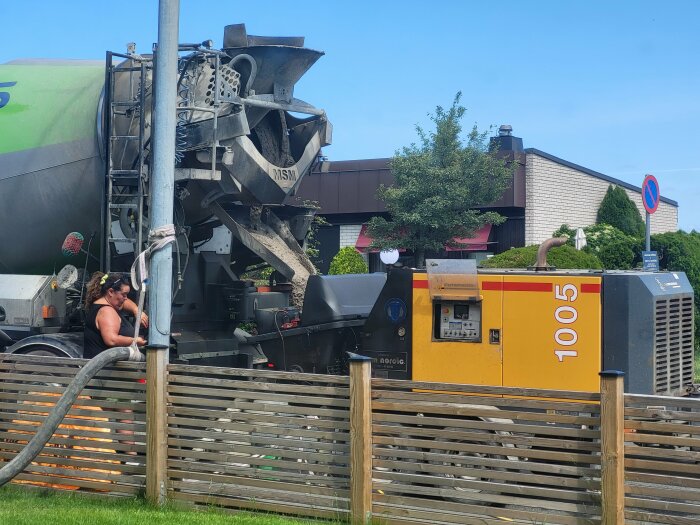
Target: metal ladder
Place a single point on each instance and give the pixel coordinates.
(125, 189)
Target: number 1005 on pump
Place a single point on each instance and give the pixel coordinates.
(565, 315)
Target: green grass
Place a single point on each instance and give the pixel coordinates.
(697, 366)
(21, 506)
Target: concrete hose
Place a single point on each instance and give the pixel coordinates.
(59, 411)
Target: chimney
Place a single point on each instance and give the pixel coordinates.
(505, 141)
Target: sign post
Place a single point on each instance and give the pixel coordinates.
(651, 195)
(650, 199)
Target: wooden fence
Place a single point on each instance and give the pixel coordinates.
(360, 449)
(100, 446)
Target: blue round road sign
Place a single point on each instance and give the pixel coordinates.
(650, 193)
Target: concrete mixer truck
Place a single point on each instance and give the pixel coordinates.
(75, 160)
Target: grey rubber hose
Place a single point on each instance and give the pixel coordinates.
(59, 411)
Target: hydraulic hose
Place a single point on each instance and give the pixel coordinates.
(59, 411)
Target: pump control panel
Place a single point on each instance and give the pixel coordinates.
(458, 321)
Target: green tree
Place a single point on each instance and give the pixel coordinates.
(347, 260)
(616, 209)
(437, 186)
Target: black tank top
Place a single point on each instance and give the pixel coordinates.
(92, 339)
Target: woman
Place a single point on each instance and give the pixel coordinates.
(105, 324)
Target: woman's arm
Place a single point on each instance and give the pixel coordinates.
(131, 307)
(108, 323)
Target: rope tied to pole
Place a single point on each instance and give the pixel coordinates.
(158, 238)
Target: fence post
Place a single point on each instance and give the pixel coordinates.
(156, 423)
(360, 439)
(612, 426)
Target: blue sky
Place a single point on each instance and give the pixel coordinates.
(613, 86)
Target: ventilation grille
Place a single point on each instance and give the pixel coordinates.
(673, 344)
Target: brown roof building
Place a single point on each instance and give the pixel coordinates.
(546, 192)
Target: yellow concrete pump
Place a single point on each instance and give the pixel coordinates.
(549, 329)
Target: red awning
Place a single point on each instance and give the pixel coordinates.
(477, 243)
(363, 240)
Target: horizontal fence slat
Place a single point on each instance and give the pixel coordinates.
(111, 443)
(510, 427)
(30, 422)
(256, 415)
(182, 392)
(260, 460)
(276, 375)
(98, 486)
(291, 451)
(63, 381)
(70, 371)
(131, 465)
(662, 452)
(383, 470)
(90, 392)
(494, 449)
(656, 439)
(421, 456)
(259, 406)
(461, 434)
(262, 495)
(466, 410)
(686, 493)
(218, 383)
(679, 402)
(661, 466)
(25, 432)
(662, 414)
(406, 506)
(256, 506)
(258, 439)
(647, 518)
(63, 361)
(667, 506)
(58, 454)
(426, 517)
(332, 480)
(495, 402)
(477, 481)
(490, 498)
(253, 483)
(401, 384)
(13, 411)
(660, 479)
(182, 426)
(662, 427)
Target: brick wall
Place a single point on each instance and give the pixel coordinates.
(348, 237)
(349, 234)
(557, 194)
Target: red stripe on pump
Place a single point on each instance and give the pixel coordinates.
(590, 288)
(516, 286)
(420, 284)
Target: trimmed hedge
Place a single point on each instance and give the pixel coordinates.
(565, 257)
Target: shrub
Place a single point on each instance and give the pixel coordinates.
(681, 251)
(619, 211)
(615, 249)
(565, 257)
(347, 260)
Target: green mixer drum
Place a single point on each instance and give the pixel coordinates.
(51, 172)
